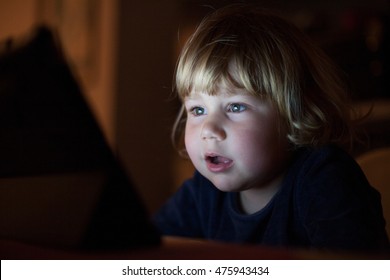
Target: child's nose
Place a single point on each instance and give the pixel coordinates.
(213, 129)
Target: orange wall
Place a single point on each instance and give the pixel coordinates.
(19, 17)
(16, 17)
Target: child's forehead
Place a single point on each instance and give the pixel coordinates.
(221, 90)
(213, 82)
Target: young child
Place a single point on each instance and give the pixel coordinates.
(264, 113)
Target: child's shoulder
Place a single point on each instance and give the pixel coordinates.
(199, 187)
(329, 156)
(328, 169)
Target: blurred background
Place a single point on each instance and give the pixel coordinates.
(123, 53)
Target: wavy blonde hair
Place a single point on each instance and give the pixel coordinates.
(274, 59)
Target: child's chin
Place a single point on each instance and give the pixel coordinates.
(225, 187)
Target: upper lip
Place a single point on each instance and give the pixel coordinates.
(210, 156)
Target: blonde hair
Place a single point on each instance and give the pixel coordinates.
(274, 59)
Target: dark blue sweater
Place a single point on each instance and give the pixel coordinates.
(325, 201)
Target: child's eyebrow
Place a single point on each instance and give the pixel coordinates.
(190, 98)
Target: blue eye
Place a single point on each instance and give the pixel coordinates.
(197, 111)
(236, 108)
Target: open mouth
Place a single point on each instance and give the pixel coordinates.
(217, 160)
(216, 163)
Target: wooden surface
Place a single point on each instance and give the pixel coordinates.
(173, 248)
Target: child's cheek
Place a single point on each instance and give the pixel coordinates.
(192, 142)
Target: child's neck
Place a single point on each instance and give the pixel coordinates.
(255, 199)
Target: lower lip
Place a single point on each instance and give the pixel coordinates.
(221, 167)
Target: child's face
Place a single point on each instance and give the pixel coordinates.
(235, 139)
